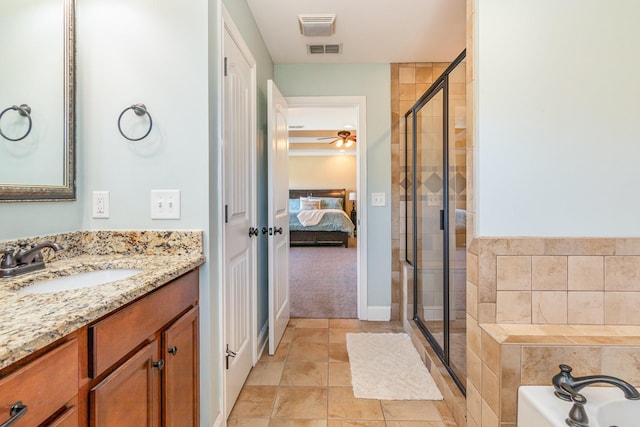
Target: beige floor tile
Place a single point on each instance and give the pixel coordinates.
(305, 374)
(339, 374)
(381, 327)
(297, 423)
(343, 405)
(415, 424)
(312, 323)
(338, 352)
(254, 402)
(265, 373)
(248, 422)
(307, 351)
(445, 414)
(301, 403)
(279, 356)
(319, 335)
(355, 423)
(288, 334)
(340, 335)
(344, 323)
(410, 410)
(314, 388)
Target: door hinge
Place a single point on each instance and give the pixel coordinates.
(226, 214)
(228, 353)
(225, 66)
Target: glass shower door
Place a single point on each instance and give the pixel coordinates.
(457, 235)
(430, 207)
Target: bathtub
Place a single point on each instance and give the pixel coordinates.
(606, 407)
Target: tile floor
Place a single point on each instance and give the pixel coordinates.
(307, 383)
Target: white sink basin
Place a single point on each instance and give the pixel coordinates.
(80, 280)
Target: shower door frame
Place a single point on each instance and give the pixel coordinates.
(441, 83)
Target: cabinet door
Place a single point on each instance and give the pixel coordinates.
(180, 380)
(69, 418)
(130, 395)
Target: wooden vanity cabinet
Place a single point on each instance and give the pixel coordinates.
(180, 376)
(46, 386)
(129, 396)
(144, 360)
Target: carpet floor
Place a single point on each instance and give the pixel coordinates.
(323, 282)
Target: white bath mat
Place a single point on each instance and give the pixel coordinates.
(388, 367)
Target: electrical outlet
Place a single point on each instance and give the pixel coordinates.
(100, 204)
(165, 204)
(378, 199)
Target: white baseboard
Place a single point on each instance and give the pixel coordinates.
(379, 313)
(263, 340)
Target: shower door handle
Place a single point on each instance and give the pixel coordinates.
(441, 219)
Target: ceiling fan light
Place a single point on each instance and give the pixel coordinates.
(349, 143)
(339, 143)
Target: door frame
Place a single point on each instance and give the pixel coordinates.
(227, 22)
(360, 103)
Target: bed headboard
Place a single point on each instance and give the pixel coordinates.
(338, 193)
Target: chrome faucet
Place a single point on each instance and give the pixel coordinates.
(24, 260)
(564, 381)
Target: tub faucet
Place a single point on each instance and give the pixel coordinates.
(577, 415)
(564, 380)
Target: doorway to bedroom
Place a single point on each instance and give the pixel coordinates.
(326, 222)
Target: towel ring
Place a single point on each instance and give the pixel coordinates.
(140, 110)
(25, 111)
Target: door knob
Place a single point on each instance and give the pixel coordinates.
(277, 230)
(253, 231)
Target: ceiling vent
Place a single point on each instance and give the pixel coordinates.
(317, 25)
(313, 49)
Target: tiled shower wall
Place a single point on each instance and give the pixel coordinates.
(408, 82)
(551, 300)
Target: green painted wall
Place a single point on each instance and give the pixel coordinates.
(374, 82)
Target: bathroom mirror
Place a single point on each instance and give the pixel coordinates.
(37, 111)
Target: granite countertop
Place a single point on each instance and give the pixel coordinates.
(29, 322)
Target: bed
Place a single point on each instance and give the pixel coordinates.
(334, 227)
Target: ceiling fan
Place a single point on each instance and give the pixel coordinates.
(344, 138)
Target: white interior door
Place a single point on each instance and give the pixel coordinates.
(240, 213)
(278, 230)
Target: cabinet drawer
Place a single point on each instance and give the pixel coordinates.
(43, 386)
(115, 336)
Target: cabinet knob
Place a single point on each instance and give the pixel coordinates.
(159, 364)
(173, 350)
(17, 410)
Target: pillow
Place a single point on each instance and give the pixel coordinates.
(309, 205)
(330, 203)
(294, 205)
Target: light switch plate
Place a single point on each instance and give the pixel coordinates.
(378, 199)
(165, 204)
